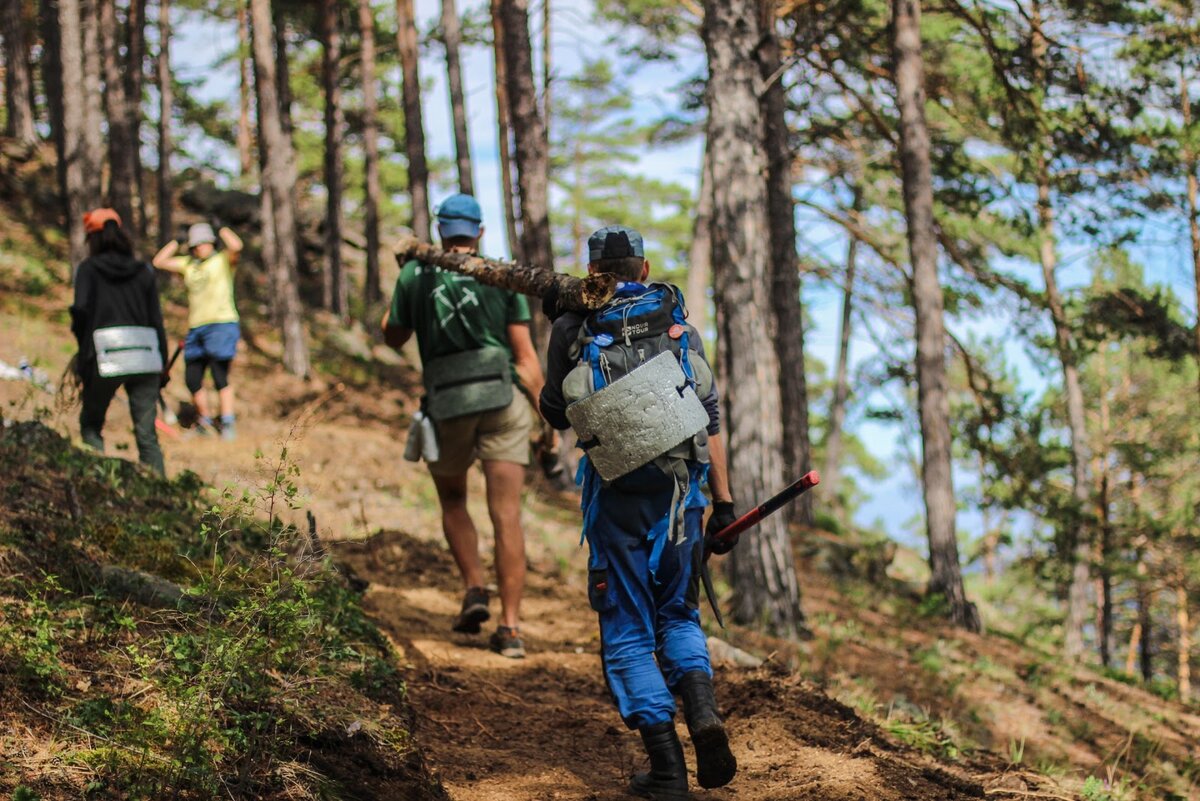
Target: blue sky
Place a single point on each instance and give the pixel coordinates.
(894, 502)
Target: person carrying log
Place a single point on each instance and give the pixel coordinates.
(478, 367)
(118, 324)
(214, 327)
(631, 378)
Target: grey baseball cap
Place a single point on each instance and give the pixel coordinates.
(201, 234)
(615, 242)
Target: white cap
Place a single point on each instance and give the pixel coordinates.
(201, 234)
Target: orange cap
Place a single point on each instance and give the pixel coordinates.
(94, 220)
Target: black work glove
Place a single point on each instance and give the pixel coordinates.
(722, 516)
(550, 306)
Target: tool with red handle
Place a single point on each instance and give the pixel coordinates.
(751, 519)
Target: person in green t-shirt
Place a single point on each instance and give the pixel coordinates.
(456, 318)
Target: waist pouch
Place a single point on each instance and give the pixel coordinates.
(127, 350)
(470, 382)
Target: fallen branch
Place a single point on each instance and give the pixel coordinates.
(579, 294)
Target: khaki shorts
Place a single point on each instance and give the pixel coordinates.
(501, 435)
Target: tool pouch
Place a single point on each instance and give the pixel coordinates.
(470, 382)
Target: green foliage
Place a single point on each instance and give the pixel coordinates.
(30, 632)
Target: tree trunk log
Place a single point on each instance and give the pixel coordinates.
(452, 38)
(784, 267)
(74, 150)
(933, 400)
(166, 97)
(762, 569)
(334, 280)
(278, 179)
(366, 24)
(504, 133)
(579, 294)
(17, 74)
(414, 131)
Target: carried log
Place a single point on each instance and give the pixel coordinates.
(578, 294)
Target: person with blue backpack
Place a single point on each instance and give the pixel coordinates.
(632, 379)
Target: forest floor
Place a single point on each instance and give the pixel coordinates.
(884, 703)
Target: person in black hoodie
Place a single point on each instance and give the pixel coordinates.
(118, 323)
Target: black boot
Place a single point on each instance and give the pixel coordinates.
(715, 763)
(667, 779)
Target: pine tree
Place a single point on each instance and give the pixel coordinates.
(452, 39)
(334, 283)
(366, 26)
(414, 131)
(73, 150)
(166, 97)
(18, 80)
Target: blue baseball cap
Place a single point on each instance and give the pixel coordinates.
(459, 215)
(615, 242)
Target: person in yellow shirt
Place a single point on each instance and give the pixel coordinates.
(213, 322)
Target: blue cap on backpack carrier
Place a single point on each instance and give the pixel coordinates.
(459, 215)
(615, 242)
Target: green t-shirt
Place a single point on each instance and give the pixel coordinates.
(451, 313)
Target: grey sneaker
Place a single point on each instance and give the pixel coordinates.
(506, 641)
(228, 428)
(474, 611)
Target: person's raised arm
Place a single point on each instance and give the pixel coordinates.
(165, 258)
(393, 335)
(233, 244)
(525, 360)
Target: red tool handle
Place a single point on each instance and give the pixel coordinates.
(770, 506)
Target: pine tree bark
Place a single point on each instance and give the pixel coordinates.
(700, 252)
(1193, 204)
(366, 25)
(135, 66)
(530, 147)
(166, 106)
(784, 267)
(278, 178)
(245, 138)
(414, 130)
(504, 132)
(831, 477)
(762, 568)
(547, 62)
(120, 129)
(51, 65)
(335, 293)
(452, 38)
(93, 103)
(74, 148)
(18, 78)
(932, 396)
(1080, 544)
(283, 69)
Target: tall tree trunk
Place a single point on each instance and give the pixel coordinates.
(784, 267)
(283, 68)
(93, 103)
(530, 146)
(74, 148)
(334, 280)
(245, 138)
(1193, 205)
(135, 67)
(120, 129)
(700, 251)
(52, 82)
(547, 61)
(504, 131)
(278, 178)
(452, 37)
(762, 569)
(932, 397)
(1104, 595)
(832, 477)
(366, 25)
(166, 105)
(414, 130)
(18, 79)
(1080, 547)
(1183, 620)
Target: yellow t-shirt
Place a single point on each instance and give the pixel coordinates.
(210, 291)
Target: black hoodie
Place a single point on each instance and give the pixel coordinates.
(113, 289)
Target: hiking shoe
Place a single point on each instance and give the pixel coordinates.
(474, 611)
(228, 427)
(506, 642)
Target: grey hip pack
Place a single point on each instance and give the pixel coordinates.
(127, 350)
(642, 415)
(470, 382)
